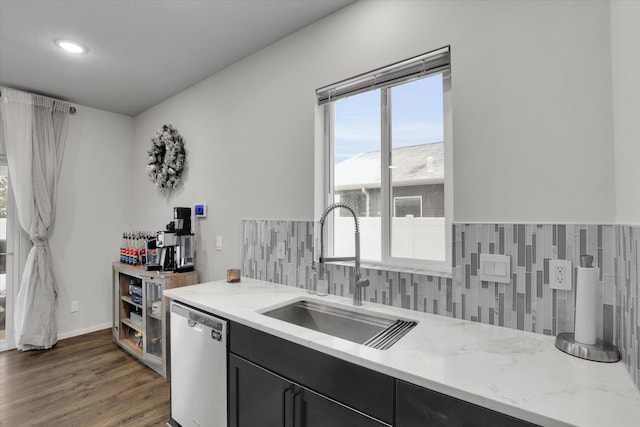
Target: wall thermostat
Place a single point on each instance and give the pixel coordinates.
(200, 211)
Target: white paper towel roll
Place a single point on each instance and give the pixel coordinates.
(586, 298)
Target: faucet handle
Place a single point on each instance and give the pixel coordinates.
(362, 283)
(357, 294)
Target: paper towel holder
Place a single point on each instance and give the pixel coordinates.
(598, 352)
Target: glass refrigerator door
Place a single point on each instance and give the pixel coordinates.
(154, 345)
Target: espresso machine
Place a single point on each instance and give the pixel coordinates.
(175, 245)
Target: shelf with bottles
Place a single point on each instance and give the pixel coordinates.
(138, 295)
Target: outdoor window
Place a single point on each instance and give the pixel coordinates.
(386, 144)
(407, 206)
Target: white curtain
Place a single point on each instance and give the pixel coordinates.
(35, 133)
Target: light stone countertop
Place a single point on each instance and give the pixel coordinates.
(514, 372)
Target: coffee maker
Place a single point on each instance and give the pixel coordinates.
(176, 243)
(185, 259)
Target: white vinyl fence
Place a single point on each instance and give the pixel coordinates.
(420, 238)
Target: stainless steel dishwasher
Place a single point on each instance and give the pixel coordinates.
(198, 368)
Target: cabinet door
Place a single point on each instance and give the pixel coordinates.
(257, 397)
(260, 398)
(314, 410)
(154, 333)
(420, 407)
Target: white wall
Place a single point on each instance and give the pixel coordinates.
(94, 198)
(625, 60)
(532, 116)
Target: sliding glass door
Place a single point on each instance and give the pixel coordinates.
(4, 309)
(14, 244)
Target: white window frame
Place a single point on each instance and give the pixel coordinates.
(324, 169)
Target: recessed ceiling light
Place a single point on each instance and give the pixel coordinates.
(71, 46)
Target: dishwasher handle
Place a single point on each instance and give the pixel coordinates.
(197, 318)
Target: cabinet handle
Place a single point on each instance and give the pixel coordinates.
(294, 393)
(284, 404)
(297, 410)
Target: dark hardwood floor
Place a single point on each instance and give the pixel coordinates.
(82, 381)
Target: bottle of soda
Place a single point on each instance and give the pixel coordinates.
(123, 245)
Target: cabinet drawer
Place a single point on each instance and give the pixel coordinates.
(420, 407)
(360, 388)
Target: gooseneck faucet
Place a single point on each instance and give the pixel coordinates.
(359, 284)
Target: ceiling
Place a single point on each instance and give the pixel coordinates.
(141, 52)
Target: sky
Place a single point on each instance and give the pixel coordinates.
(416, 118)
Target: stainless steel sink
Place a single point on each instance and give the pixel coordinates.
(362, 328)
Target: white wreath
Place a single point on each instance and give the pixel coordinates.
(167, 157)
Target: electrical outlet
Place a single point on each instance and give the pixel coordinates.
(75, 306)
(560, 274)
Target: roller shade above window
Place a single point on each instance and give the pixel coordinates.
(420, 66)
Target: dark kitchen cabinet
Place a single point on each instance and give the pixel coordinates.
(260, 398)
(319, 389)
(314, 410)
(256, 396)
(277, 383)
(420, 407)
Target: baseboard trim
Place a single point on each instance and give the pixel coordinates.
(83, 331)
(69, 334)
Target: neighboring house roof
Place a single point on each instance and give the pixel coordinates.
(413, 165)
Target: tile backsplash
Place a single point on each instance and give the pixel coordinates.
(627, 319)
(527, 303)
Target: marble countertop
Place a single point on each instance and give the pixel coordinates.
(514, 372)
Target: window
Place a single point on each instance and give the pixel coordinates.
(407, 206)
(386, 148)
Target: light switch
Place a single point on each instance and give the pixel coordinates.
(495, 268)
(218, 243)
